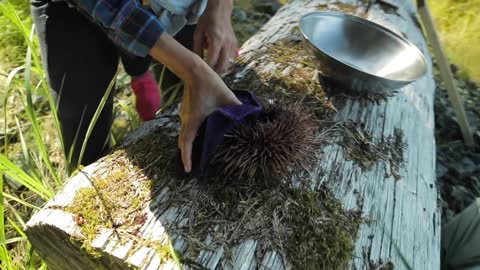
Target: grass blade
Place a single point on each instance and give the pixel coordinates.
(113, 139)
(33, 119)
(132, 115)
(98, 111)
(23, 143)
(8, 10)
(4, 256)
(18, 175)
(53, 107)
(74, 142)
(15, 225)
(33, 168)
(20, 201)
(8, 90)
(172, 97)
(15, 240)
(43, 89)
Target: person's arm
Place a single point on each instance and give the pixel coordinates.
(204, 90)
(138, 31)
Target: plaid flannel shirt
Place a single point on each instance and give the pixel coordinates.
(127, 22)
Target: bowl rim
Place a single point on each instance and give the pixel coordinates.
(368, 23)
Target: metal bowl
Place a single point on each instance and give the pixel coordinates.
(359, 54)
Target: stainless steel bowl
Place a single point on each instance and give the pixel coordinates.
(359, 54)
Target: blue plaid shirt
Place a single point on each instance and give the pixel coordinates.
(127, 22)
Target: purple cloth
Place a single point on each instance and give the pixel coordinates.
(211, 134)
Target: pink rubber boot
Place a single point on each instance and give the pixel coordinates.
(147, 93)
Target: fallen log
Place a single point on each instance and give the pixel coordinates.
(369, 201)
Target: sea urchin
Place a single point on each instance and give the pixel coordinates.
(280, 144)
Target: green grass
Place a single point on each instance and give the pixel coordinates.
(458, 23)
(13, 45)
(34, 160)
(39, 177)
(35, 137)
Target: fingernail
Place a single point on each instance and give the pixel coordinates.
(187, 169)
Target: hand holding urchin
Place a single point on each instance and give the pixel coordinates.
(280, 144)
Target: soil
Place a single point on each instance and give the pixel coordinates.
(457, 166)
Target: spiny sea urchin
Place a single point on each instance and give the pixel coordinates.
(280, 144)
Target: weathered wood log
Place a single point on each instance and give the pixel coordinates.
(111, 216)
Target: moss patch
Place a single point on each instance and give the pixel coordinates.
(310, 229)
(117, 200)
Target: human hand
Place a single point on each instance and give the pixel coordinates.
(201, 96)
(214, 32)
(204, 90)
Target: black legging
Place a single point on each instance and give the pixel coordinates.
(80, 62)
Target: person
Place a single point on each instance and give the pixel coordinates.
(174, 15)
(78, 42)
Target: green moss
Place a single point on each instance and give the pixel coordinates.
(323, 232)
(119, 194)
(136, 202)
(88, 217)
(308, 228)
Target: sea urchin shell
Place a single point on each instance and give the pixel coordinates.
(280, 144)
